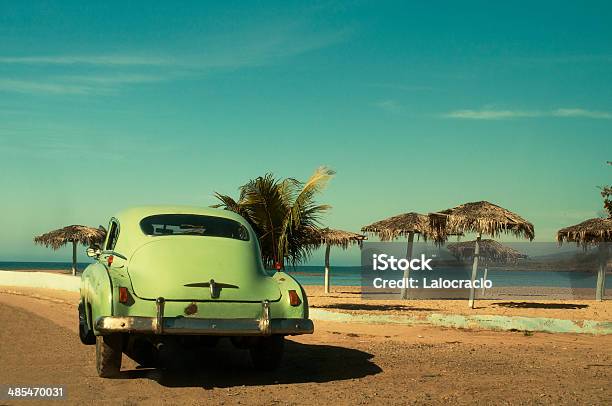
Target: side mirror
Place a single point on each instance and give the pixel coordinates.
(93, 252)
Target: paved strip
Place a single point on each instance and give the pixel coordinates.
(486, 322)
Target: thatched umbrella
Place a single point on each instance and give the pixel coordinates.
(592, 231)
(597, 231)
(340, 238)
(406, 224)
(490, 250)
(76, 235)
(481, 218)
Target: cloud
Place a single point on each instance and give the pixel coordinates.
(114, 79)
(259, 45)
(109, 76)
(581, 113)
(491, 114)
(562, 59)
(391, 106)
(265, 45)
(46, 141)
(407, 88)
(108, 60)
(253, 47)
(77, 84)
(26, 86)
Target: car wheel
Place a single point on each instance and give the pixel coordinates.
(85, 334)
(267, 352)
(108, 355)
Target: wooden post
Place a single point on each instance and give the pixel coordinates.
(601, 275)
(484, 279)
(74, 258)
(327, 268)
(404, 293)
(474, 271)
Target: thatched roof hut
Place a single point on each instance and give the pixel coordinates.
(481, 218)
(399, 226)
(81, 234)
(489, 249)
(597, 231)
(406, 224)
(329, 237)
(76, 234)
(592, 231)
(340, 238)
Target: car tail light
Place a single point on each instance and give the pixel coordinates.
(294, 299)
(109, 260)
(123, 295)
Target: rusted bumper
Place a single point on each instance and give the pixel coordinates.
(193, 326)
(189, 326)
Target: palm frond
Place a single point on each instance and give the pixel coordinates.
(281, 212)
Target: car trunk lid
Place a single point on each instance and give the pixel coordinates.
(200, 268)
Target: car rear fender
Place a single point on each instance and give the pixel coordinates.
(96, 292)
(286, 283)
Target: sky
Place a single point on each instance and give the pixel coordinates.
(418, 106)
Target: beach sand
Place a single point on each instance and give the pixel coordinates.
(341, 363)
(348, 299)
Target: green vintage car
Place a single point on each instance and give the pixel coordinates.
(172, 276)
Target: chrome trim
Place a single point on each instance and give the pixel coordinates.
(264, 321)
(213, 289)
(158, 325)
(193, 326)
(116, 221)
(207, 284)
(113, 253)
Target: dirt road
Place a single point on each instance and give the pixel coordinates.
(339, 364)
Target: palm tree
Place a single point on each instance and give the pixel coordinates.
(282, 213)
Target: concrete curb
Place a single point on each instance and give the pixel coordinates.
(40, 280)
(480, 322)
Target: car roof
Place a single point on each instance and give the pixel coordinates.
(135, 214)
(129, 222)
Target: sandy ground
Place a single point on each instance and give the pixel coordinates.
(341, 363)
(348, 299)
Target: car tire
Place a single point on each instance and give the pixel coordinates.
(267, 352)
(108, 355)
(85, 333)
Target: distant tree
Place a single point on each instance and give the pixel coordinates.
(282, 213)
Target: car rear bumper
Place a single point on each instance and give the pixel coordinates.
(194, 326)
(190, 326)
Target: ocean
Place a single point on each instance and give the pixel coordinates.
(351, 275)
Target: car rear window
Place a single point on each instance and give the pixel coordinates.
(193, 224)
